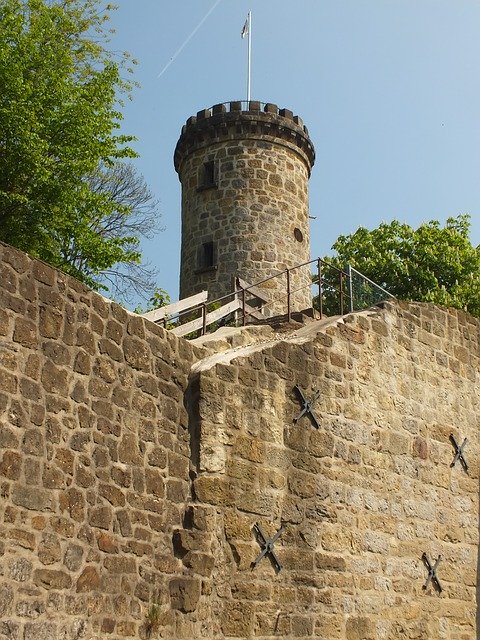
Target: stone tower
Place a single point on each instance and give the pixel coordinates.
(244, 175)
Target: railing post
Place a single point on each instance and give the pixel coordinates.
(320, 292)
(244, 309)
(341, 293)
(289, 310)
(350, 287)
(204, 318)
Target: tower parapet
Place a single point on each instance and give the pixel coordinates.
(237, 119)
(244, 169)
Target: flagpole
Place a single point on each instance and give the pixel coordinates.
(249, 54)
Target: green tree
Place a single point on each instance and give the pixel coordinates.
(433, 263)
(160, 298)
(133, 214)
(59, 121)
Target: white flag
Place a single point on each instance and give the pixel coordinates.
(245, 29)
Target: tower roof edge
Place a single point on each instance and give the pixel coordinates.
(244, 120)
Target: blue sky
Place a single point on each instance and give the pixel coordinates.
(389, 90)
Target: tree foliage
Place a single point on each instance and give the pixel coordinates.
(133, 213)
(59, 139)
(433, 263)
(159, 298)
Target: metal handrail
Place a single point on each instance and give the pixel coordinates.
(203, 307)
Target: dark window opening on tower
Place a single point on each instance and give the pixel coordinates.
(207, 177)
(207, 258)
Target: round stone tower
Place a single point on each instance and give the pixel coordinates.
(244, 170)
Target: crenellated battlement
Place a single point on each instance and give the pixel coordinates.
(240, 120)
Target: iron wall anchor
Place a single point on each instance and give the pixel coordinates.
(307, 407)
(267, 545)
(459, 453)
(432, 573)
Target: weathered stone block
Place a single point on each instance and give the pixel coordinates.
(25, 333)
(73, 501)
(120, 564)
(114, 331)
(4, 323)
(109, 347)
(100, 517)
(126, 628)
(360, 628)
(249, 448)
(114, 495)
(200, 563)
(301, 626)
(190, 540)
(86, 339)
(178, 466)
(8, 382)
(11, 465)
(82, 363)
(124, 523)
(157, 457)
(237, 620)
(420, 448)
(8, 359)
(329, 563)
(33, 498)
(8, 437)
(399, 443)
(19, 569)
(6, 599)
(30, 608)
(137, 354)
(108, 625)
(89, 580)
(128, 450)
(51, 321)
(56, 352)
(263, 503)
(33, 443)
(54, 379)
(302, 484)
(52, 579)
(49, 549)
(83, 477)
(73, 557)
(151, 481)
(185, 593)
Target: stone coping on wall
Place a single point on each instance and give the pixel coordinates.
(242, 342)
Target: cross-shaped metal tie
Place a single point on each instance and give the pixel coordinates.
(307, 409)
(459, 452)
(432, 572)
(267, 546)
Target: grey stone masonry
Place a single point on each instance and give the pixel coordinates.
(244, 175)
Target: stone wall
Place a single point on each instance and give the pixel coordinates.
(362, 497)
(94, 463)
(134, 466)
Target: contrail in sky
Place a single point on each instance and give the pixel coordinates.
(180, 49)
